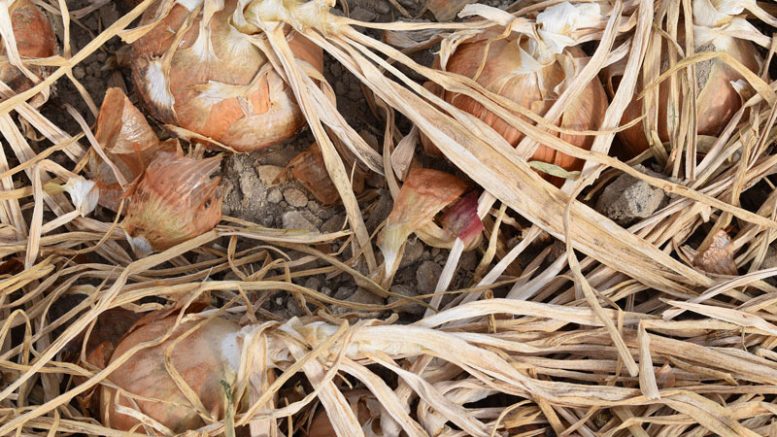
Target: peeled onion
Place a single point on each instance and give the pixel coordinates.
(34, 39)
(504, 72)
(174, 201)
(207, 360)
(215, 82)
(717, 99)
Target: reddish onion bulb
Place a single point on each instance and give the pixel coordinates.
(717, 100)
(34, 39)
(532, 90)
(207, 360)
(214, 81)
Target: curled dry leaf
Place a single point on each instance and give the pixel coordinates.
(128, 141)
(718, 258)
(462, 221)
(424, 193)
(532, 73)
(719, 87)
(205, 357)
(34, 39)
(196, 70)
(308, 169)
(175, 200)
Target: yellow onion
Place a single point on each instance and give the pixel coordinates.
(207, 361)
(213, 80)
(34, 39)
(532, 73)
(174, 201)
(717, 98)
(128, 141)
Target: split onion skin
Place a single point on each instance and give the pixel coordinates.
(231, 95)
(175, 200)
(499, 58)
(34, 39)
(716, 100)
(128, 141)
(206, 359)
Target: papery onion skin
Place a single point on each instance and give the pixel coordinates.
(716, 100)
(208, 92)
(176, 200)
(206, 359)
(128, 140)
(34, 39)
(499, 75)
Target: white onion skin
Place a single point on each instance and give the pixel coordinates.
(586, 112)
(206, 359)
(257, 117)
(716, 100)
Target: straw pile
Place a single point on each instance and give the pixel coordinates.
(665, 326)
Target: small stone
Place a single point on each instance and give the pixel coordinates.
(469, 261)
(379, 211)
(427, 275)
(360, 296)
(268, 174)
(361, 14)
(295, 197)
(414, 250)
(627, 199)
(79, 72)
(313, 283)
(274, 196)
(334, 224)
(295, 220)
(407, 307)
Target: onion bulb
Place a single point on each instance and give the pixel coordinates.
(197, 71)
(174, 201)
(717, 95)
(34, 39)
(206, 360)
(532, 73)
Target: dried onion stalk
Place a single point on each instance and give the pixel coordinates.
(197, 71)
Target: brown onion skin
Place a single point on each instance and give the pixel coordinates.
(267, 114)
(34, 39)
(716, 102)
(585, 113)
(198, 358)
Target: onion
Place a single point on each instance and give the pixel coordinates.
(34, 39)
(531, 73)
(207, 361)
(215, 82)
(176, 200)
(717, 98)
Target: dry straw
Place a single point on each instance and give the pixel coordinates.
(619, 333)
